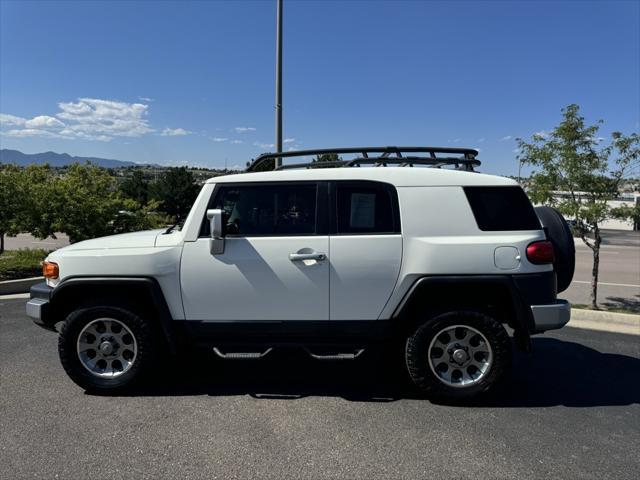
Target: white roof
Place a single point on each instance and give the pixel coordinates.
(398, 176)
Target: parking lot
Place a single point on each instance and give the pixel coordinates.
(571, 410)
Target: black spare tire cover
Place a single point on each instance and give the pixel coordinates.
(559, 233)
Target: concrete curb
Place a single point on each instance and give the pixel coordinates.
(605, 321)
(22, 285)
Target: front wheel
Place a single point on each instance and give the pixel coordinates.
(105, 348)
(458, 354)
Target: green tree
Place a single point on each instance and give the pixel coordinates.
(326, 157)
(575, 174)
(37, 216)
(10, 201)
(85, 202)
(176, 190)
(136, 187)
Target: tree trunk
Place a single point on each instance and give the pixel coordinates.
(596, 267)
(1, 243)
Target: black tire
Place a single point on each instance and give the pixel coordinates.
(142, 331)
(417, 347)
(559, 234)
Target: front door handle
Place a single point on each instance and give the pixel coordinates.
(297, 257)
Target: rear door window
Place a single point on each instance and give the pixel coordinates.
(502, 209)
(366, 208)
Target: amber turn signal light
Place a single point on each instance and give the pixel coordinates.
(50, 270)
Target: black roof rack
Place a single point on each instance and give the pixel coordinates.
(464, 159)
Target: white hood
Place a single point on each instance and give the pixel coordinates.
(142, 239)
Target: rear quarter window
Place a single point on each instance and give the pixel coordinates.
(502, 209)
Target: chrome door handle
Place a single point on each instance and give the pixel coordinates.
(296, 257)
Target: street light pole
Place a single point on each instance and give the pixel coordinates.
(278, 161)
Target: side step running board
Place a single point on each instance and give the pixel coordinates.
(241, 355)
(337, 356)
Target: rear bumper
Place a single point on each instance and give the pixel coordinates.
(38, 307)
(551, 316)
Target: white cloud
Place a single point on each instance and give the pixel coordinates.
(174, 132)
(289, 140)
(541, 134)
(457, 140)
(43, 121)
(86, 119)
(219, 139)
(481, 140)
(32, 132)
(93, 117)
(244, 129)
(237, 142)
(11, 120)
(264, 145)
(145, 99)
(508, 137)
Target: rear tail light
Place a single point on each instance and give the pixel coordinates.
(540, 252)
(50, 270)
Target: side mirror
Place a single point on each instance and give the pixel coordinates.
(216, 242)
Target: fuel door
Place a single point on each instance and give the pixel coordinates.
(506, 258)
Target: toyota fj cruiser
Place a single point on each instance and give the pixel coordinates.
(333, 260)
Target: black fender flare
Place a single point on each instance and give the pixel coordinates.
(523, 321)
(148, 284)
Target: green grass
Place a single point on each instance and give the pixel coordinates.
(583, 306)
(22, 263)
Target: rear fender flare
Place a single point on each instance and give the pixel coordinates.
(523, 321)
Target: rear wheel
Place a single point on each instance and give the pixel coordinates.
(105, 348)
(458, 354)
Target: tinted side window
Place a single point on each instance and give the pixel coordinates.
(268, 209)
(502, 208)
(366, 208)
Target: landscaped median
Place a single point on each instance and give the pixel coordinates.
(19, 269)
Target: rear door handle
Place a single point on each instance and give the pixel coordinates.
(297, 257)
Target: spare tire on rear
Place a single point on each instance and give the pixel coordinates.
(559, 233)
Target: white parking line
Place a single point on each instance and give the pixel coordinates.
(610, 284)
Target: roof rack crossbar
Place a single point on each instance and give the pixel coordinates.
(466, 161)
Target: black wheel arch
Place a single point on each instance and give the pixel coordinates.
(142, 294)
(497, 295)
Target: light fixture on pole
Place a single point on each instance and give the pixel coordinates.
(278, 160)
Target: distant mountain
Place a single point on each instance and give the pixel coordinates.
(56, 159)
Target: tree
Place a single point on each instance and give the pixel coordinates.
(176, 190)
(37, 216)
(575, 174)
(10, 201)
(136, 187)
(84, 202)
(326, 157)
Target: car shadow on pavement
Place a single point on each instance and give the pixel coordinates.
(557, 373)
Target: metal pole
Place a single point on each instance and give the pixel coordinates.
(278, 161)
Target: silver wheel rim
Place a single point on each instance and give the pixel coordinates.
(107, 348)
(460, 356)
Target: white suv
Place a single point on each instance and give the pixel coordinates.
(333, 260)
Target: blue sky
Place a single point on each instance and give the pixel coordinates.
(193, 82)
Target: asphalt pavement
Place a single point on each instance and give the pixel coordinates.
(619, 277)
(570, 410)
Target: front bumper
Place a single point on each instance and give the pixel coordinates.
(551, 316)
(39, 308)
